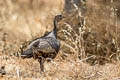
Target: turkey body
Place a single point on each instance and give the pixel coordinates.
(46, 47)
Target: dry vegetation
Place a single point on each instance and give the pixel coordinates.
(89, 36)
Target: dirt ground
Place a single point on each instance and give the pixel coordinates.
(24, 20)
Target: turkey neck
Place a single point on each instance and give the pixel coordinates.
(55, 28)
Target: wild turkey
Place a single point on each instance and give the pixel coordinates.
(44, 47)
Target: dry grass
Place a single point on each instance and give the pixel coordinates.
(89, 37)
